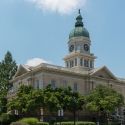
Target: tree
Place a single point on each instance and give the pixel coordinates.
(20, 102)
(104, 98)
(50, 100)
(8, 69)
(28, 100)
(67, 99)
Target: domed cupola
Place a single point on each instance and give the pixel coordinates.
(79, 30)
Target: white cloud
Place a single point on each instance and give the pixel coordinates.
(60, 6)
(36, 61)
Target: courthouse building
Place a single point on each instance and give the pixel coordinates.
(79, 71)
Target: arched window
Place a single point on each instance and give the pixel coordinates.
(81, 62)
(71, 63)
(75, 62)
(86, 63)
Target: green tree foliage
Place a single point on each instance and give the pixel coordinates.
(31, 100)
(67, 98)
(8, 69)
(50, 100)
(28, 100)
(104, 98)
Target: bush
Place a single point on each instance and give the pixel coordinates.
(111, 123)
(30, 121)
(18, 123)
(42, 123)
(7, 118)
(77, 123)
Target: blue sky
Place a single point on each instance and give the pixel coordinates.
(39, 29)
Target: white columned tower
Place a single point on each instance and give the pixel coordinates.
(79, 56)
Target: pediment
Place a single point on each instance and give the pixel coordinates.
(103, 72)
(22, 70)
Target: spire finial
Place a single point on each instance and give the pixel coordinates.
(79, 11)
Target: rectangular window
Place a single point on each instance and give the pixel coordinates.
(53, 84)
(75, 87)
(65, 84)
(37, 84)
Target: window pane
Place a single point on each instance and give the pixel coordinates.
(53, 83)
(37, 84)
(65, 84)
(75, 87)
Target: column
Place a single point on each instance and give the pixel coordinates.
(66, 64)
(92, 63)
(82, 62)
(78, 61)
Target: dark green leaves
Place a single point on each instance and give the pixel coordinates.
(104, 97)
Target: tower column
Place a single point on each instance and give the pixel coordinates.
(88, 63)
(78, 61)
(66, 64)
(83, 62)
(92, 63)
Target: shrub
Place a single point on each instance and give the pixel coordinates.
(30, 121)
(7, 118)
(77, 123)
(18, 123)
(111, 123)
(42, 123)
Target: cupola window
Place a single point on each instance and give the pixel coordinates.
(75, 62)
(86, 63)
(91, 64)
(71, 64)
(81, 62)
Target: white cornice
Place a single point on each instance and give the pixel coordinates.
(58, 69)
(78, 54)
(78, 39)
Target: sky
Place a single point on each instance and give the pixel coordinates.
(36, 31)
